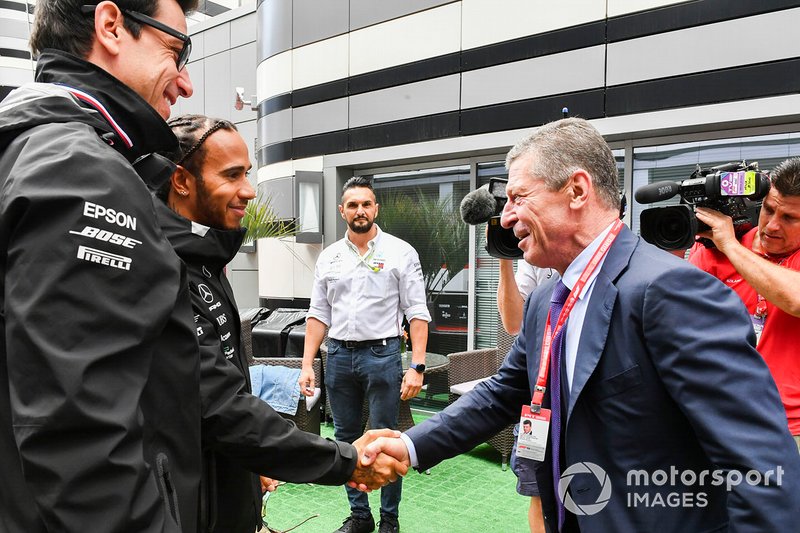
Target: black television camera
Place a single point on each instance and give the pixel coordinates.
(734, 189)
(486, 205)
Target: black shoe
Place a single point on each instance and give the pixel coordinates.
(388, 524)
(356, 524)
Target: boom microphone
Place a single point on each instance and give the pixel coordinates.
(478, 206)
(656, 192)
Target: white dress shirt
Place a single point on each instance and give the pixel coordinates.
(364, 297)
(570, 278)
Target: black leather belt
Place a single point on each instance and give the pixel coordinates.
(350, 345)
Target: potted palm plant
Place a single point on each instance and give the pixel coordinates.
(262, 222)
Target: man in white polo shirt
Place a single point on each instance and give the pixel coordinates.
(364, 284)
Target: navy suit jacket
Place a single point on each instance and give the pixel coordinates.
(666, 380)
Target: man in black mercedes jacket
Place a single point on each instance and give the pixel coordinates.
(99, 375)
(203, 205)
(99, 387)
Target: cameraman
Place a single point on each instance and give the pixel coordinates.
(763, 270)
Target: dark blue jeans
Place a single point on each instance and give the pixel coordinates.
(375, 373)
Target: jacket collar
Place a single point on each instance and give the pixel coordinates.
(138, 128)
(601, 306)
(196, 243)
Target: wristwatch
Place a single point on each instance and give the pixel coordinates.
(419, 367)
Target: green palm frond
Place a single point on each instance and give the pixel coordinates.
(262, 222)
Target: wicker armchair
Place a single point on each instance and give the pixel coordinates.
(303, 418)
(247, 317)
(478, 364)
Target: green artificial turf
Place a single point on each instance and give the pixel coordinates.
(466, 494)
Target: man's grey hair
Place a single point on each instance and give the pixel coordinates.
(564, 146)
(786, 177)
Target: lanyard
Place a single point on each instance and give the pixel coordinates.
(365, 258)
(544, 358)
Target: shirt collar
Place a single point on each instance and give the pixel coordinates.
(370, 245)
(575, 269)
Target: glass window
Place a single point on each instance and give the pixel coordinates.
(422, 208)
(487, 320)
(308, 197)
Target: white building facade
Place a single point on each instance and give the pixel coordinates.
(427, 96)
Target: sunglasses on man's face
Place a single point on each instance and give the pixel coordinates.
(186, 49)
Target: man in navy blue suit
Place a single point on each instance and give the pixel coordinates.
(668, 418)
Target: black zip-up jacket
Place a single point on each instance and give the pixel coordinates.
(241, 433)
(99, 374)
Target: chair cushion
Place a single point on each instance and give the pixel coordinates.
(276, 385)
(463, 388)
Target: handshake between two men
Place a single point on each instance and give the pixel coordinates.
(382, 458)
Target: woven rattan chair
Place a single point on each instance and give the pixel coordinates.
(478, 364)
(247, 318)
(303, 418)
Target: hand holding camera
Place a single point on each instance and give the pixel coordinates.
(722, 232)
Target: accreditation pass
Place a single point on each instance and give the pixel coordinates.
(533, 431)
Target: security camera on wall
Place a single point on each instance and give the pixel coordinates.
(240, 102)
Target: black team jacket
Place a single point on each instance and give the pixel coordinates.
(241, 433)
(99, 374)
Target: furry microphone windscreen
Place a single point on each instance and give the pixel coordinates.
(478, 206)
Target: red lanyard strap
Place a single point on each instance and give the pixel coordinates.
(544, 358)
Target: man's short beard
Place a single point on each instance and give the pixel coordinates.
(361, 229)
(207, 213)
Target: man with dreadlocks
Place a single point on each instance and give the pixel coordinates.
(204, 202)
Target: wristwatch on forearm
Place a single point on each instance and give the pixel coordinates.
(419, 367)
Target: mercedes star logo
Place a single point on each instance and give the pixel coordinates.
(205, 293)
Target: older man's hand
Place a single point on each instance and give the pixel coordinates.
(375, 470)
